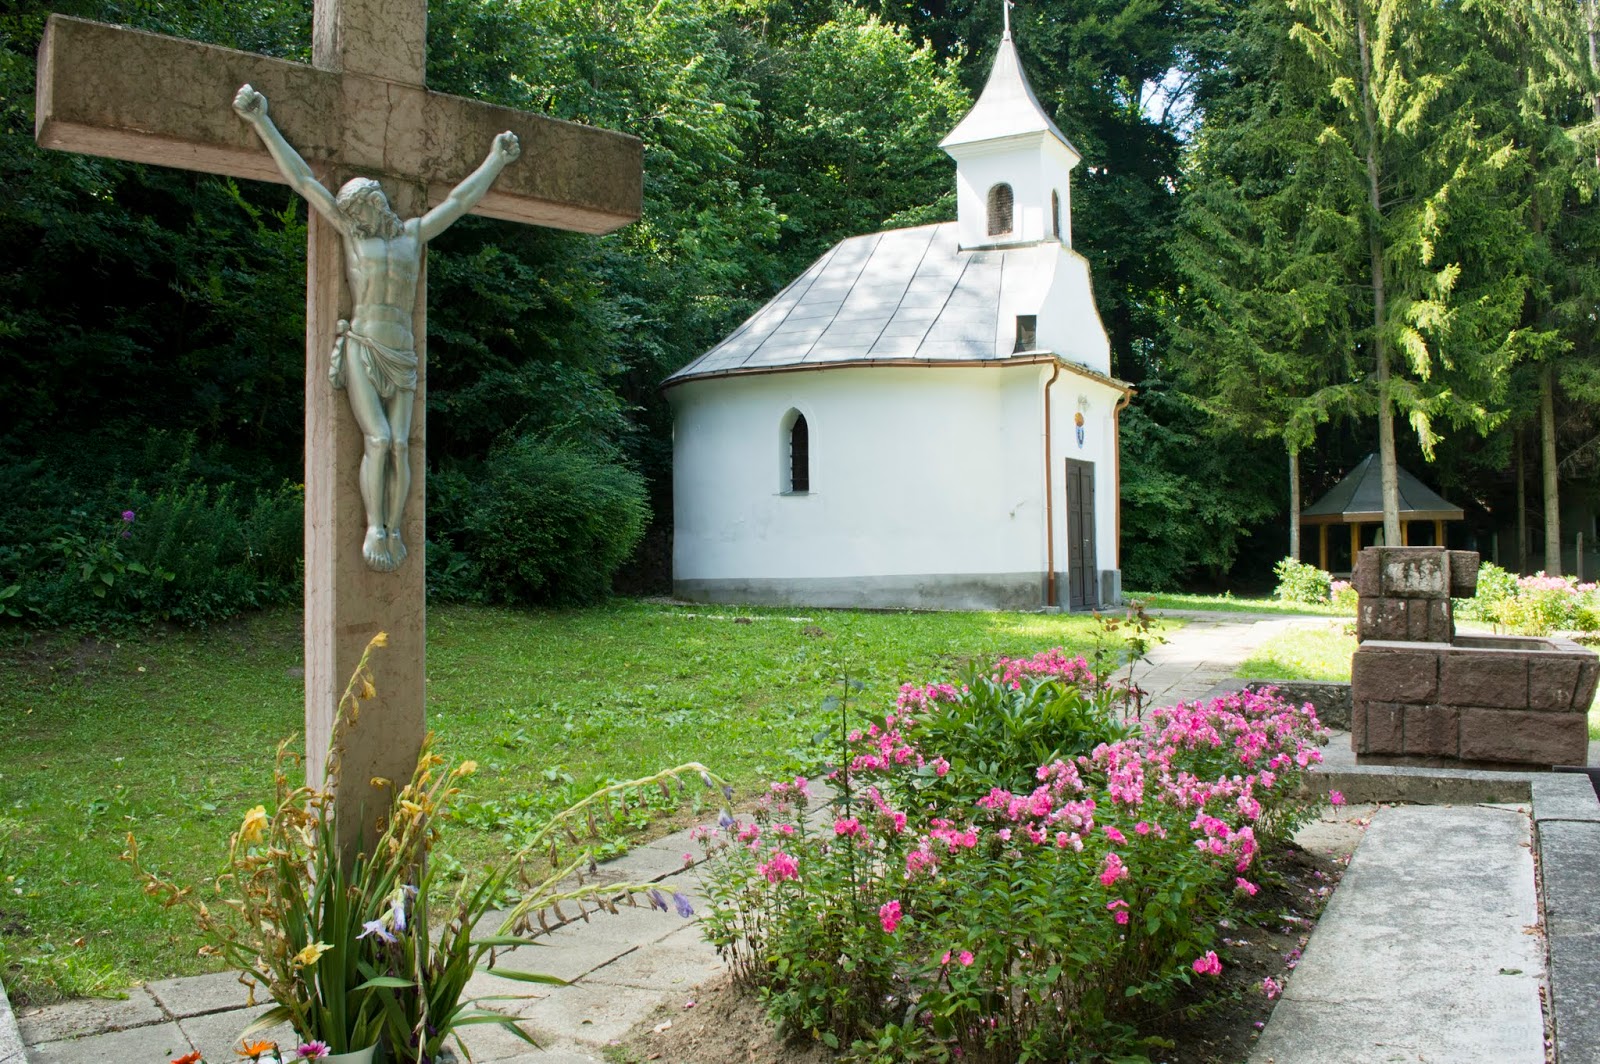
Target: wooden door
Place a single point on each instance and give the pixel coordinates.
(1083, 577)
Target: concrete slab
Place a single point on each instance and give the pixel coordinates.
(1564, 796)
(1574, 988)
(200, 994)
(216, 1034)
(1428, 950)
(74, 1019)
(591, 1015)
(679, 962)
(157, 1042)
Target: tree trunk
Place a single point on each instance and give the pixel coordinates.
(1552, 487)
(1380, 342)
(1589, 10)
(1294, 504)
(1522, 508)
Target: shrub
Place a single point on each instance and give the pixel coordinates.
(1343, 595)
(553, 521)
(1494, 585)
(1035, 923)
(1301, 582)
(1531, 605)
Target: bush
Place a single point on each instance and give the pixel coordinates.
(1531, 605)
(1036, 923)
(1343, 596)
(191, 554)
(552, 521)
(1300, 582)
(1494, 585)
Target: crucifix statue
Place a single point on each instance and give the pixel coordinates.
(360, 111)
(382, 263)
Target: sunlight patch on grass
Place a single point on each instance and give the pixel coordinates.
(1320, 652)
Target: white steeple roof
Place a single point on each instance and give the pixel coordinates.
(1007, 106)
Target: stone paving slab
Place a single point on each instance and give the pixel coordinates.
(11, 1051)
(200, 994)
(216, 1034)
(73, 1019)
(1428, 952)
(158, 1042)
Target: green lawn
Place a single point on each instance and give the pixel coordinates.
(170, 736)
(1161, 600)
(1306, 652)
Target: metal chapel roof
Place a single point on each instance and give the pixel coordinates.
(906, 295)
(1007, 106)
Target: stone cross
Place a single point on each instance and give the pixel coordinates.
(360, 109)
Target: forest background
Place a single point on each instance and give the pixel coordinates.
(1300, 214)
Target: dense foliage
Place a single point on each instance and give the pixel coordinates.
(939, 914)
(1226, 205)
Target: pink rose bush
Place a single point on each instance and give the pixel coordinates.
(1021, 908)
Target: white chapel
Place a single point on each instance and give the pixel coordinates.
(926, 417)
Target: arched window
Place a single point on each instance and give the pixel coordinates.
(1000, 209)
(799, 455)
(1055, 213)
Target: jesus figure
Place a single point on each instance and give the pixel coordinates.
(374, 354)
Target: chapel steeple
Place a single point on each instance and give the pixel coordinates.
(1013, 165)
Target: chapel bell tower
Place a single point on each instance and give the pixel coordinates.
(1012, 164)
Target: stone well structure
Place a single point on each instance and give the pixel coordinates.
(1421, 693)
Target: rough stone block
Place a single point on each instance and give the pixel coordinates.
(1394, 674)
(1497, 678)
(1431, 731)
(1413, 572)
(1463, 573)
(1524, 736)
(1383, 618)
(1385, 728)
(1552, 681)
(1588, 673)
(1428, 620)
(1364, 577)
(1358, 728)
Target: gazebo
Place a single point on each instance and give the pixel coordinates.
(1357, 500)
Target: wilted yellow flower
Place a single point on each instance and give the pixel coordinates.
(466, 768)
(410, 806)
(254, 828)
(381, 782)
(311, 954)
(380, 640)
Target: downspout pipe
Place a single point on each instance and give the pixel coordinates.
(1049, 497)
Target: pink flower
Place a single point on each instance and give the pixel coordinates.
(965, 957)
(889, 916)
(779, 867)
(1207, 965)
(1336, 798)
(312, 1051)
(846, 826)
(1271, 987)
(1245, 885)
(1114, 870)
(1114, 835)
(1122, 916)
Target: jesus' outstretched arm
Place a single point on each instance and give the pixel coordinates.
(252, 107)
(466, 195)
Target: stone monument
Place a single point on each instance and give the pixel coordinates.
(1423, 694)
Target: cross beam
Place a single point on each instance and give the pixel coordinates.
(575, 177)
(359, 110)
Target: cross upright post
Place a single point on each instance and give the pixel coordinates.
(360, 109)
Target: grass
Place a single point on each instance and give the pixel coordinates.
(1226, 603)
(1306, 652)
(170, 736)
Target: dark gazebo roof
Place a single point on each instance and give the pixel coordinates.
(1358, 499)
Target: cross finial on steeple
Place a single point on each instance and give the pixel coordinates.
(1006, 6)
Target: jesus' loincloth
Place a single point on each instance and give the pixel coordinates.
(390, 370)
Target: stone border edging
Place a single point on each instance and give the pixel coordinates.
(11, 1051)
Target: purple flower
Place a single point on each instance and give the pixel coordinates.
(681, 900)
(312, 1051)
(724, 820)
(375, 927)
(128, 515)
(658, 900)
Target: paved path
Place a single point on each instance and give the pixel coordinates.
(624, 966)
(1429, 952)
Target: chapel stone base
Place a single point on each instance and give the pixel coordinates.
(923, 591)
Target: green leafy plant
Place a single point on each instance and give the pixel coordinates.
(1302, 582)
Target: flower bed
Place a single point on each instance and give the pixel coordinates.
(952, 901)
(1532, 605)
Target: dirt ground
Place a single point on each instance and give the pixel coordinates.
(726, 1025)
